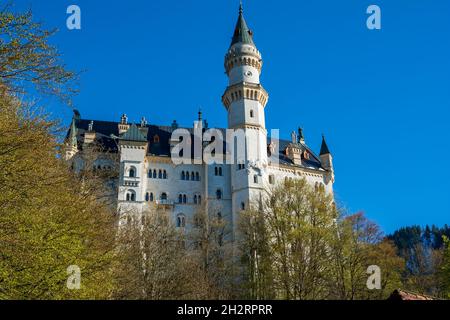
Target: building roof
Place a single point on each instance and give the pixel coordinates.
(242, 34)
(107, 136)
(134, 134)
(324, 148)
(407, 295)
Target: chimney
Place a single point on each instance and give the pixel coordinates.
(123, 125)
(89, 136)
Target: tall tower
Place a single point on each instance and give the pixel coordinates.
(245, 100)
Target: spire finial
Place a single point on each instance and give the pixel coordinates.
(200, 114)
(241, 8)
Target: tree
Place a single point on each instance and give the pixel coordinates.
(153, 263)
(209, 242)
(297, 227)
(27, 60)
(359, 244)
(47, 221)
(445, 269)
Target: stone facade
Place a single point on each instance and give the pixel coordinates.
(148, 178)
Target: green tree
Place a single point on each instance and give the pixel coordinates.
(297, 228)
(48, 221)
(27, 61)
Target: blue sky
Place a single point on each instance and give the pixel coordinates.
(382, 98)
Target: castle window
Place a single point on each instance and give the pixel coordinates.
(272, 179)
(187, 176)
(131, 196)
(242, 206)
(180, 198)
(195, 199)
(252, 114)
(219, 194)
(165, 174)
(193, 176)
(156, 139)
(160, 175)
(197, 176)
(184, 199)
(147, 197)
(154, 174)
(181, 221)
(132, 172)
(150, 173)
(255, 178)
(164, 196)
(183, 176)
(151, 197)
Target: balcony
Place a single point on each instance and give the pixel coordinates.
(165, 203)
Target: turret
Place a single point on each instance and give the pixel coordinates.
(327, 159)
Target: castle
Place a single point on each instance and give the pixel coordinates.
(149, 178)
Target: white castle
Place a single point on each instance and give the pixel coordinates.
(149, 178)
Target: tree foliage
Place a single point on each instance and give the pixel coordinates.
(48, 222)
(297, 245)
(27, 60)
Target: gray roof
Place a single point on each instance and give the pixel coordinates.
(107, 135)
(242, 34)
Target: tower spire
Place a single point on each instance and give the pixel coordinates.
(324, 148)
(242, 34)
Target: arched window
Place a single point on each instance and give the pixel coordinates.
(147, 197)
(219, 194)
(184, 199)
(156, 139)
(220, 171)
(151, 197)
(216, 171)
(165, 174)
(181, 221)
(132, 172)
(252, 114)
(197, 176)
(183, 176)
(150, 173)
(154, 174)
(164, 196)
(255, 178)
(160, 175)
(242, 206)
(180, 198)
(195, 199)
(193, 176)
(131, 196)
(187, 175)
(272, 179)
(199, 200)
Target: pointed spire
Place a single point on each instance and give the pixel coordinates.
(301, 136)
(73, 133)
(324, 148)
(242, 34)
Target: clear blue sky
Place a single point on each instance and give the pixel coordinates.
(381, 97)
